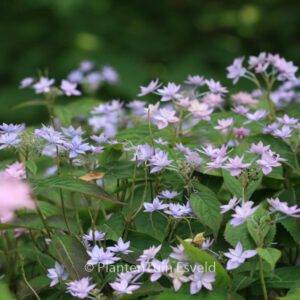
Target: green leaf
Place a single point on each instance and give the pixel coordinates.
(71, 254)
(153, 224)
(292, 295)
(270, 255)
(206, 207)
(73, 184)
(113, 227)
(293, 227)
(232, 184)
(31, 167)
(285, 278)
(37, 283)
(200, 256)
(5, 293)
(28, 221)
(240, 233)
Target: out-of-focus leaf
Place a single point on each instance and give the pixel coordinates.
(270, 255)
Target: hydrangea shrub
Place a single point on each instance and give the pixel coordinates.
(190, 193)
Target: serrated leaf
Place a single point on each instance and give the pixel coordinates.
(293, 227)
(113, 227)
(206, 207)
(270, 255)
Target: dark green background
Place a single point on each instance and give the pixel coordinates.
(142, 39)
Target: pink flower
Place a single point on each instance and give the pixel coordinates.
(236, 165)
(16, 170)
(236, 70)
(286, 120)
(283, 207)
(285, 132)
(240, 109)
(69, 88)
(216, 87)
(195, 80)
(200, 110)
(151, 87)
(241, 132)
(268, 161)
(259, 148)
(169, 92)
(244, 98)
(224, 125)
(14, 195)
(213, 100)
(242, 213)
(164, 117)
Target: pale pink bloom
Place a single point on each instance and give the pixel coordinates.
(164, 117)
(271, 128)
(256, 116)
(69, 88)
(224, 125)
(216, 87)
(179, 254)
(241, 132)
(195, 80)
(44, 85)
(80, 288)
(243, 98)
(151, 110)
(254, 61)
(149, 254)
(230, 205)
(213, 152)
(286, 120)
(216, 163)
(159, 161)
(259, 148)
(242, 213)
(236, 165)
(213, 100)
(16, 170)
(158, 268)
(178, 277)
(207, 244)
(236, 70)
(26, 82)
(237, 256)
(123, 286)
(14, 195)
(200, 110)
(269, 160)
(169, 194)
(183, 102)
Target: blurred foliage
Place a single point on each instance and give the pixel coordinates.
(141, 39)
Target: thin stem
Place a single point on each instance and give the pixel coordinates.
(64, 210)
(262, 279)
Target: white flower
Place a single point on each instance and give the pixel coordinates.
(200, 110)
(100, 256)
(80, 288)
(44, 85)
(57, 273)
(237, 256)
(178, 277)
(120, 247)
(242, 213)
(201, 279)
(231, 204)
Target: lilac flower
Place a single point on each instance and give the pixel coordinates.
(57, 273)
(259, 148)
(86, 65)
(99, 139)
(154, 206)
(94, 79)
(216, 163)
(122, 286)
(158, 268)
(179, 254)
(237, 256)
(26, 82)
(44, 85)
(242, 213)
(193, 159)
(121, 247)
(200, 110)
(254, 61)
(216, 87)
(150, 88)
(178, 277)
(69, 88)
(12, 128)
(137, 107)
(142, 153)
(268, 161)
(80, 288)
(286, 120)
(9, 139)
(236, 70)
(72, 131)
(177, 210)
(213, 152)
(160, 141)
(94, 235)
(224, 125)
(241, 132)
(168, 194)
(285, 132)
(164, 117)
(100, 256)
(277, 205)
(159, 161)
(183, 102)
(207, 244)
(256, 116)
(76, 76)
(231, 204)
(271, 128)
(50, 135)
(16, 170)
(149, 254)
(201, 279)
(110, 75)
(286, 69)
(195, 80)
(77, 147)
(236, 165)
(241, 110)
(169, 92)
